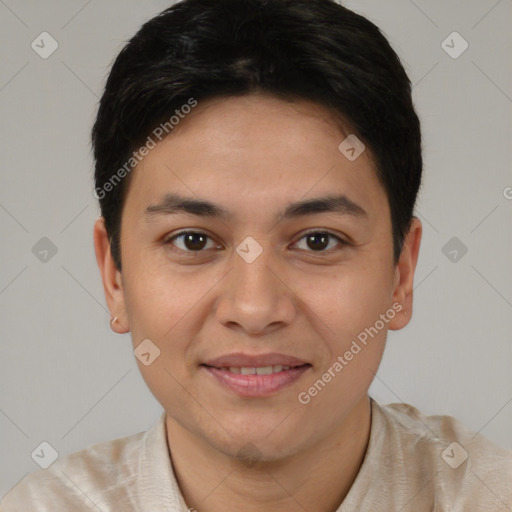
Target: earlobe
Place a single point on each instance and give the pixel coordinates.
(111, 278)
(404, 275)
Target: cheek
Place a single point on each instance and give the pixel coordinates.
(347, 300)
(156, 298)
(160, 306)
(170, 308)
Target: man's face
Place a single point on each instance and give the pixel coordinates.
(198, 298)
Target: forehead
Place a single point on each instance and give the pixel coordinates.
(249, 149)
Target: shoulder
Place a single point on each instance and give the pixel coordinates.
(440, 431)
(79, 481)
(464, 465)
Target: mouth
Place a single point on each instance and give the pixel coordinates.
(256, 370)
(256, 381)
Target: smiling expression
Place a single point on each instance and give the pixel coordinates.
(256, 176)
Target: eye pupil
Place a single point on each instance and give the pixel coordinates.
(318, 241)
(191, 241)
(196, 241)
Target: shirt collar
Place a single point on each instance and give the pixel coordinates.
(157, 486)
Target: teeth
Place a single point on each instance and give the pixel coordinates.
(263, 370)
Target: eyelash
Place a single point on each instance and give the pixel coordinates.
(342, 242)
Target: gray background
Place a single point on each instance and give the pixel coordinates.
(67, 379)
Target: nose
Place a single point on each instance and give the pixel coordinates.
(255, 296)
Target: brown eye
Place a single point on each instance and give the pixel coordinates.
(318, 241)
(191, 241)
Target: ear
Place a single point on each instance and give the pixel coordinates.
(111, 277)
(404, 275)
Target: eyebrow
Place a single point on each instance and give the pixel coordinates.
(175, 203)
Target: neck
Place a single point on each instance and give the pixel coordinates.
(316, 478)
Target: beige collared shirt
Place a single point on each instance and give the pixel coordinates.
(413, 463)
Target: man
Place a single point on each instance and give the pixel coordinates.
(257, 167)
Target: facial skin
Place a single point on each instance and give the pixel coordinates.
(254, 155)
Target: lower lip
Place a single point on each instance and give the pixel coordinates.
(256, 385)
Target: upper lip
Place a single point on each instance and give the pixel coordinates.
(239, 359)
